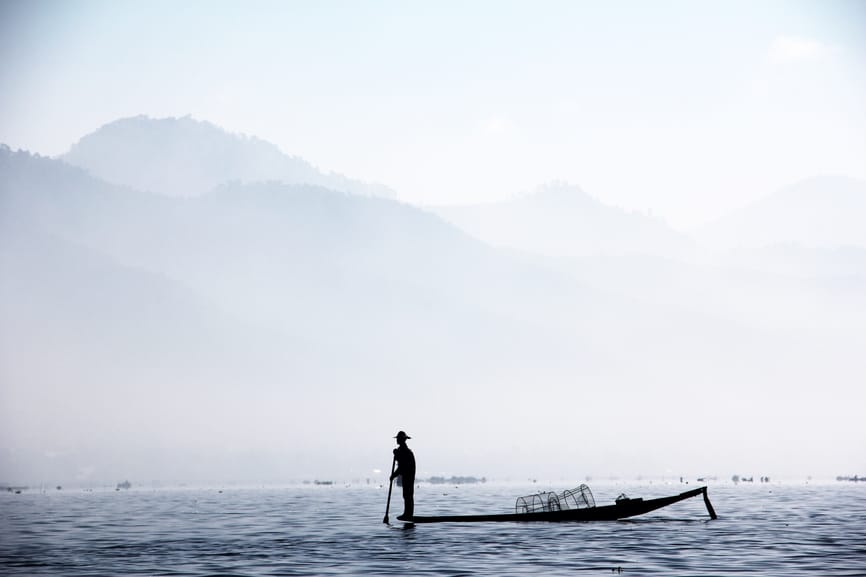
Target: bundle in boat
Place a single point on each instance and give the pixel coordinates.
(544, 502)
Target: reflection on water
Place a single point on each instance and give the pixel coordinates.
(761, 530)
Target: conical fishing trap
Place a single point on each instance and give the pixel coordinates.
(579, 498)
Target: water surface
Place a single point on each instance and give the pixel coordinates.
(778, 529)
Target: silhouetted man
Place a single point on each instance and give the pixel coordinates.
(406, 469)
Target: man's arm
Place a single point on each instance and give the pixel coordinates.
(396, 472)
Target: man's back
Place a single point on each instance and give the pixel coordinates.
(406, 459)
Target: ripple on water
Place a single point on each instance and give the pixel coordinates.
(788, 530)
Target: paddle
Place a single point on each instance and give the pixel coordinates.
(709, 505)
(390, 486)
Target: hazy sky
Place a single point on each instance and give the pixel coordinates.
(686, 108)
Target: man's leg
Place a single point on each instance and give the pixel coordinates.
(409, 497)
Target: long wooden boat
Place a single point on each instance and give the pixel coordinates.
(622, 509)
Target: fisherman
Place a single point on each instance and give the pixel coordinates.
(406, 468)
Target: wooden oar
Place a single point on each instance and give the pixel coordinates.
(390, 486)
(709, 505)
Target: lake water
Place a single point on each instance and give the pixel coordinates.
(776, 529)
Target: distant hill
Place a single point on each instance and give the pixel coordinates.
(187, 157)
(71, 280)
(360, 275)
(819, 212)
(563, 221)
(381, 284)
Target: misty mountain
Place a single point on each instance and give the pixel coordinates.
(309, 313)
(186, 157)
(310, 261)
(306, 307)
(778, 285)
(329, 267)
(562, 220)
(378, 285)
(819, 212)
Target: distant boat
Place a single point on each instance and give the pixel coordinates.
(576, 505)
(855, 478)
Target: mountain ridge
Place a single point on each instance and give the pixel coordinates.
(187, 157)
(562, 220)
(817, 212)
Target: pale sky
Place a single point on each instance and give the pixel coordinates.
(690, 109)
